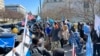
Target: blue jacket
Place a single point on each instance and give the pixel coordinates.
(47, 30)
(74, 38)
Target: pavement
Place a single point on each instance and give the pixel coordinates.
(68, 51)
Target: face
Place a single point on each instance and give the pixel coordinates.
(56, 26)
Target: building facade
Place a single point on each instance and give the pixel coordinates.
(71, 9)
(16, 8)
(61, 8)
(1, 9)
(1, 4)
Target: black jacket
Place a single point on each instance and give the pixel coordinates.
(38, 51)
(94, 36)
(98, 40)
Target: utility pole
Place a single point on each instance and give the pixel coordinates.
(38, 10)
(41, 10)
(99, 7)
(40, 6)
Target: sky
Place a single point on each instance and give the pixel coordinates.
(29, 5)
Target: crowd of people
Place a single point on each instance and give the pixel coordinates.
(55, 36)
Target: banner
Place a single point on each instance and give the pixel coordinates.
(21, 49)
(97, 24)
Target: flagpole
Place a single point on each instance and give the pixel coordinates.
(23, 40)
(73, 50)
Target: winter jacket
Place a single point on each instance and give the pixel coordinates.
(94, 36)
(38, 51)
(55, 34)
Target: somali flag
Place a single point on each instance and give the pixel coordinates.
(89, 47)
(51, 21)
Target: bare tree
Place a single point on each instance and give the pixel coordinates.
(11, 15)
(83, 9)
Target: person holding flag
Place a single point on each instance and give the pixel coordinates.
(30, 16)
(73, 50)
(31, 19)
(75, 42)
(26, 40)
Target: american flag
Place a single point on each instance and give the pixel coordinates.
(73, 51)
(30, 16)
(23, 22)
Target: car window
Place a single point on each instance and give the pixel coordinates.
(1, 30)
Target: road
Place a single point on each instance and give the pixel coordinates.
(68, 51)
(67, 48)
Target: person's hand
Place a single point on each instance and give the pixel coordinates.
(14, 49)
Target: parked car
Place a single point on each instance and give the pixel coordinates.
(2, 30)
(20, 27)
(6, 25)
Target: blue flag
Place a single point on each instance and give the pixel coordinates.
(89, 47)
(38, 19)
(86, 29)
(7, 40)
(51, 21)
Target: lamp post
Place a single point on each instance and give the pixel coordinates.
(40, 6)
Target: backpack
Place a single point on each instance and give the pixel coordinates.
(34, 51)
